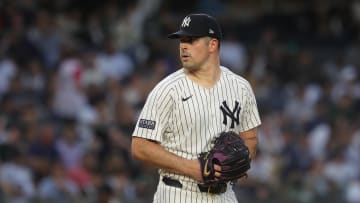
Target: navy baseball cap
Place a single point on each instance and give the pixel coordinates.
(198, 25)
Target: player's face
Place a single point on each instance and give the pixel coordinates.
(194, 52)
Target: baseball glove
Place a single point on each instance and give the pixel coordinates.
(230, 152)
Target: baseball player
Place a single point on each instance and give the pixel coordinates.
(190, 107)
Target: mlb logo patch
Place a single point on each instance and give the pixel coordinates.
(148, 124)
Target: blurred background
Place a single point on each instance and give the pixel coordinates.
(74, 75)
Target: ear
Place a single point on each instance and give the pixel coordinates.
(213, 44)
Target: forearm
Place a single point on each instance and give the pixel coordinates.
(251, 140)
(252, 143)
(155, 155)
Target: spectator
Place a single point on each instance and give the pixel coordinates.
(338, 171)
(116, 65)
(16, 180)
(353, 191)
(69, 98)
(42, 152)
(70, 148)
(8, 71)
(84, 174)
(47, 37)
(58, 187)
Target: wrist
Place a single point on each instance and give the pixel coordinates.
(192, 169)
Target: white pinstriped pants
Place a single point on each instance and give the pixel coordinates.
(170, 194)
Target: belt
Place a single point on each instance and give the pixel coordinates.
(172, 182)
(215, 188)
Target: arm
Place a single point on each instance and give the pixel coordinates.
(251, 140)
(154, 154)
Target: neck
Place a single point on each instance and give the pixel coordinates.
(206, 76)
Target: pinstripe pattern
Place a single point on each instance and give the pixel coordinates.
(169, 194)
(186, 127)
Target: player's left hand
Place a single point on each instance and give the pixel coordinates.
(231, 153)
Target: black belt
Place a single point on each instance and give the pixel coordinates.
(215, 188)
(171, 182)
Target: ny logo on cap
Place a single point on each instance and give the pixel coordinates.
(186, 22)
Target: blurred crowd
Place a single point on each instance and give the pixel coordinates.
(74, 75)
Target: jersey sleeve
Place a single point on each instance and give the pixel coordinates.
(154, 117)
(250, 117)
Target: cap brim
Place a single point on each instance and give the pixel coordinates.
(181, 33)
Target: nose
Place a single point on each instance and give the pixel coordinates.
(183, 46)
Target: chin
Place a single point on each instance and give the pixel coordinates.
(189, 68)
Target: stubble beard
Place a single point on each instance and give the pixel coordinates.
(189, 68)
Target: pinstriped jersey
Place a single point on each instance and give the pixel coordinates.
(184, 117)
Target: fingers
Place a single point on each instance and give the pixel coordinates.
(217, 171)
(217, 167)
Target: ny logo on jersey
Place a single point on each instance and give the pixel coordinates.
(232, 114)
(186, 22)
